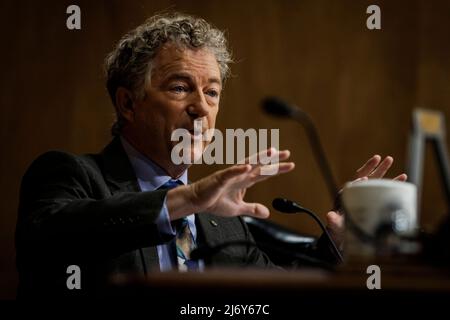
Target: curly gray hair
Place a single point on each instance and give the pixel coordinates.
(129, 64)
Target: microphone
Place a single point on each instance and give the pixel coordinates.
(288, 206)
(278, 108)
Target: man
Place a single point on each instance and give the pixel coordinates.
(130, 209)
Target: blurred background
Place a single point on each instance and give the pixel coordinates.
(358, 85)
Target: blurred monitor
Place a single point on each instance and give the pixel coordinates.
(428, 126)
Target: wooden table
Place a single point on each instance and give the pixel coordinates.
(288, 292)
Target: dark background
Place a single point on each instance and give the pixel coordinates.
(359, 86)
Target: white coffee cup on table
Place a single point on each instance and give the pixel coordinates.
(381, 214)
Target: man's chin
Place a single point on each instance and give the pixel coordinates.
(196, 155)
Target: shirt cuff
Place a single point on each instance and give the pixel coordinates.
(163, 221)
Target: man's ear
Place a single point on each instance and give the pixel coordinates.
(125, 103)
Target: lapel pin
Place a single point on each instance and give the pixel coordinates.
(214, 223)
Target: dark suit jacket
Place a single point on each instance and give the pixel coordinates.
(89, 211)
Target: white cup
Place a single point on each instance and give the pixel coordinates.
(380, 215)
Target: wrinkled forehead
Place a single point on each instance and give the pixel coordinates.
(199, 63)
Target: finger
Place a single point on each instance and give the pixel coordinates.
(381, 170)
(266, 172)
(359, 179)
(269, 166)
(334, 220)
(256, 210)
(335, 224)
(401, 177)
(285, 167)
(368, 167)
(283, 155)
(271, 155)
(274, 158)
(247, 181)
(254, 159)
(228, 174)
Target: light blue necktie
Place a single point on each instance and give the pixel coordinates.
(185, 242)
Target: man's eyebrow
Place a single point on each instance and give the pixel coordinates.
(179, 76)
(188, 77)
(215, 80)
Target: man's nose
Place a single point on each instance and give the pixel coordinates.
(198, 107)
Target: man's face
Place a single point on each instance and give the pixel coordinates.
(185, 85)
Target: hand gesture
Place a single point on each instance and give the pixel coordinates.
(222, 193)
(374, 168)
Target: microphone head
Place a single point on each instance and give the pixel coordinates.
(285, 205)
(277, 107)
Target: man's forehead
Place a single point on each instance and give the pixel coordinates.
(172, 60)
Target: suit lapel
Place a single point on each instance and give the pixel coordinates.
(120, 177)
(118, 172)
(211, 231)
(214, 231)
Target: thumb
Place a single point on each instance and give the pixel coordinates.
(334, 220)
(335, 224)
(256, 210)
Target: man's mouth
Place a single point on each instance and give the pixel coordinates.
(196, 132)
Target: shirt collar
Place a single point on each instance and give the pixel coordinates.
(146, 170)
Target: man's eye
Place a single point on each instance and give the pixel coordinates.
(179, 89)
(212, 93)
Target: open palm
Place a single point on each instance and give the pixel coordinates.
(222, 193)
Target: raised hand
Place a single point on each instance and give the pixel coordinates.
(222, 193)
(374, 168)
